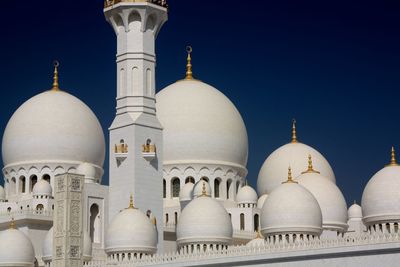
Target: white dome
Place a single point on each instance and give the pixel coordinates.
(48, 246)
(204, 221)
(291, 208)
(2, 194)
(381, 198)
(88, 170)
(42, 188)
(198, 189)
(259, 241)
(355, 211)
(246, 195)
(330, 199)
(186, 192)
(53, 126)
(201, 125)
(16, 249)
(131, 231)
(295, 155)
(261, 201)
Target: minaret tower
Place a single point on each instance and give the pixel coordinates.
(136, 134)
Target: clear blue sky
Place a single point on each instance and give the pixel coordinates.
(333, 66)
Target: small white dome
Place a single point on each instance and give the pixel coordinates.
(295, 155)
(381, 199)
(186, 192)
(2, 194)
(131, 231)
(198, 189)
(291, 208)
(246, 195)
(201, 125)
(204, 221)
(16, 249)
(88, 170)
(261, 201)
(42, 188)
(355, 211)
(47, 248)
(259, 241)
(53, 126)
(330, 199)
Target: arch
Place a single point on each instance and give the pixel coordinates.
(9, 209)
(22, 184)
(149, 83)
(189, 179)
(176, 217)
(151, 22)
(228, 189)
(166, 218)
(242, 221)
(256, 222)
(39, 207)
(13, 186)
(33, 180)
(164, 188)
(217, 184)
(95, 223)
(122, 84)
(237, 186)
(175, 186)
(46, 177)
(134, 20)
(205, 178)
(135, 81)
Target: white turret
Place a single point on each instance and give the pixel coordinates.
(136, 134)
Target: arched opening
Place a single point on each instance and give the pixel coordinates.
(256, 222)
(189, 179)
(22, 186)
(95, 223)
(241, 221)
(204, 179)
(13, 186)
(217, 183)
(176, 187)
(46, 177)
(164, 188)
(228, 189)
(176, 218)
(148, 82)
(9, 209)
(237, 186)
(39, 207)
(33, 180)
(166, 218)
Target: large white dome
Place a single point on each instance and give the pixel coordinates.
(131, 231)
(246, 195)
(291, 208)
(201, 125)
(381, 198)
(53, 126)
(16, 249)
(274, 169)
(42, 188)
(204, 221)
(330, 199)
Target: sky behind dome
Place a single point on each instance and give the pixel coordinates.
(332, 66)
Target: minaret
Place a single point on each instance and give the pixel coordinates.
(136, 134)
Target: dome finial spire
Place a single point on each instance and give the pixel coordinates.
(294, 132)
(310, 168)
(55, 77)
(12, 223)
(393, 161)
(203, 190)
(131, 205)
(290, 179)
(189, 73)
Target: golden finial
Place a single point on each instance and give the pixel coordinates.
(131, 205)
(294, 133)
(290, 179)
(55, 78)
(12, 224)
(393, 161)
(203, 190)
(189, 73)
(310, 166)
(259, 235)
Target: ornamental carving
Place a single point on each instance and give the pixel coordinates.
(75, 217)
(75, 184)
(60, 217)
(74, 251)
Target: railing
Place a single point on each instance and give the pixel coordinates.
(163, 3)
(240, 251)
(15, 213)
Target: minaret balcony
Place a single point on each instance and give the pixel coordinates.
(163, 3)
(149, 152)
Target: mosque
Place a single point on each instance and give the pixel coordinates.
(177, 193)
